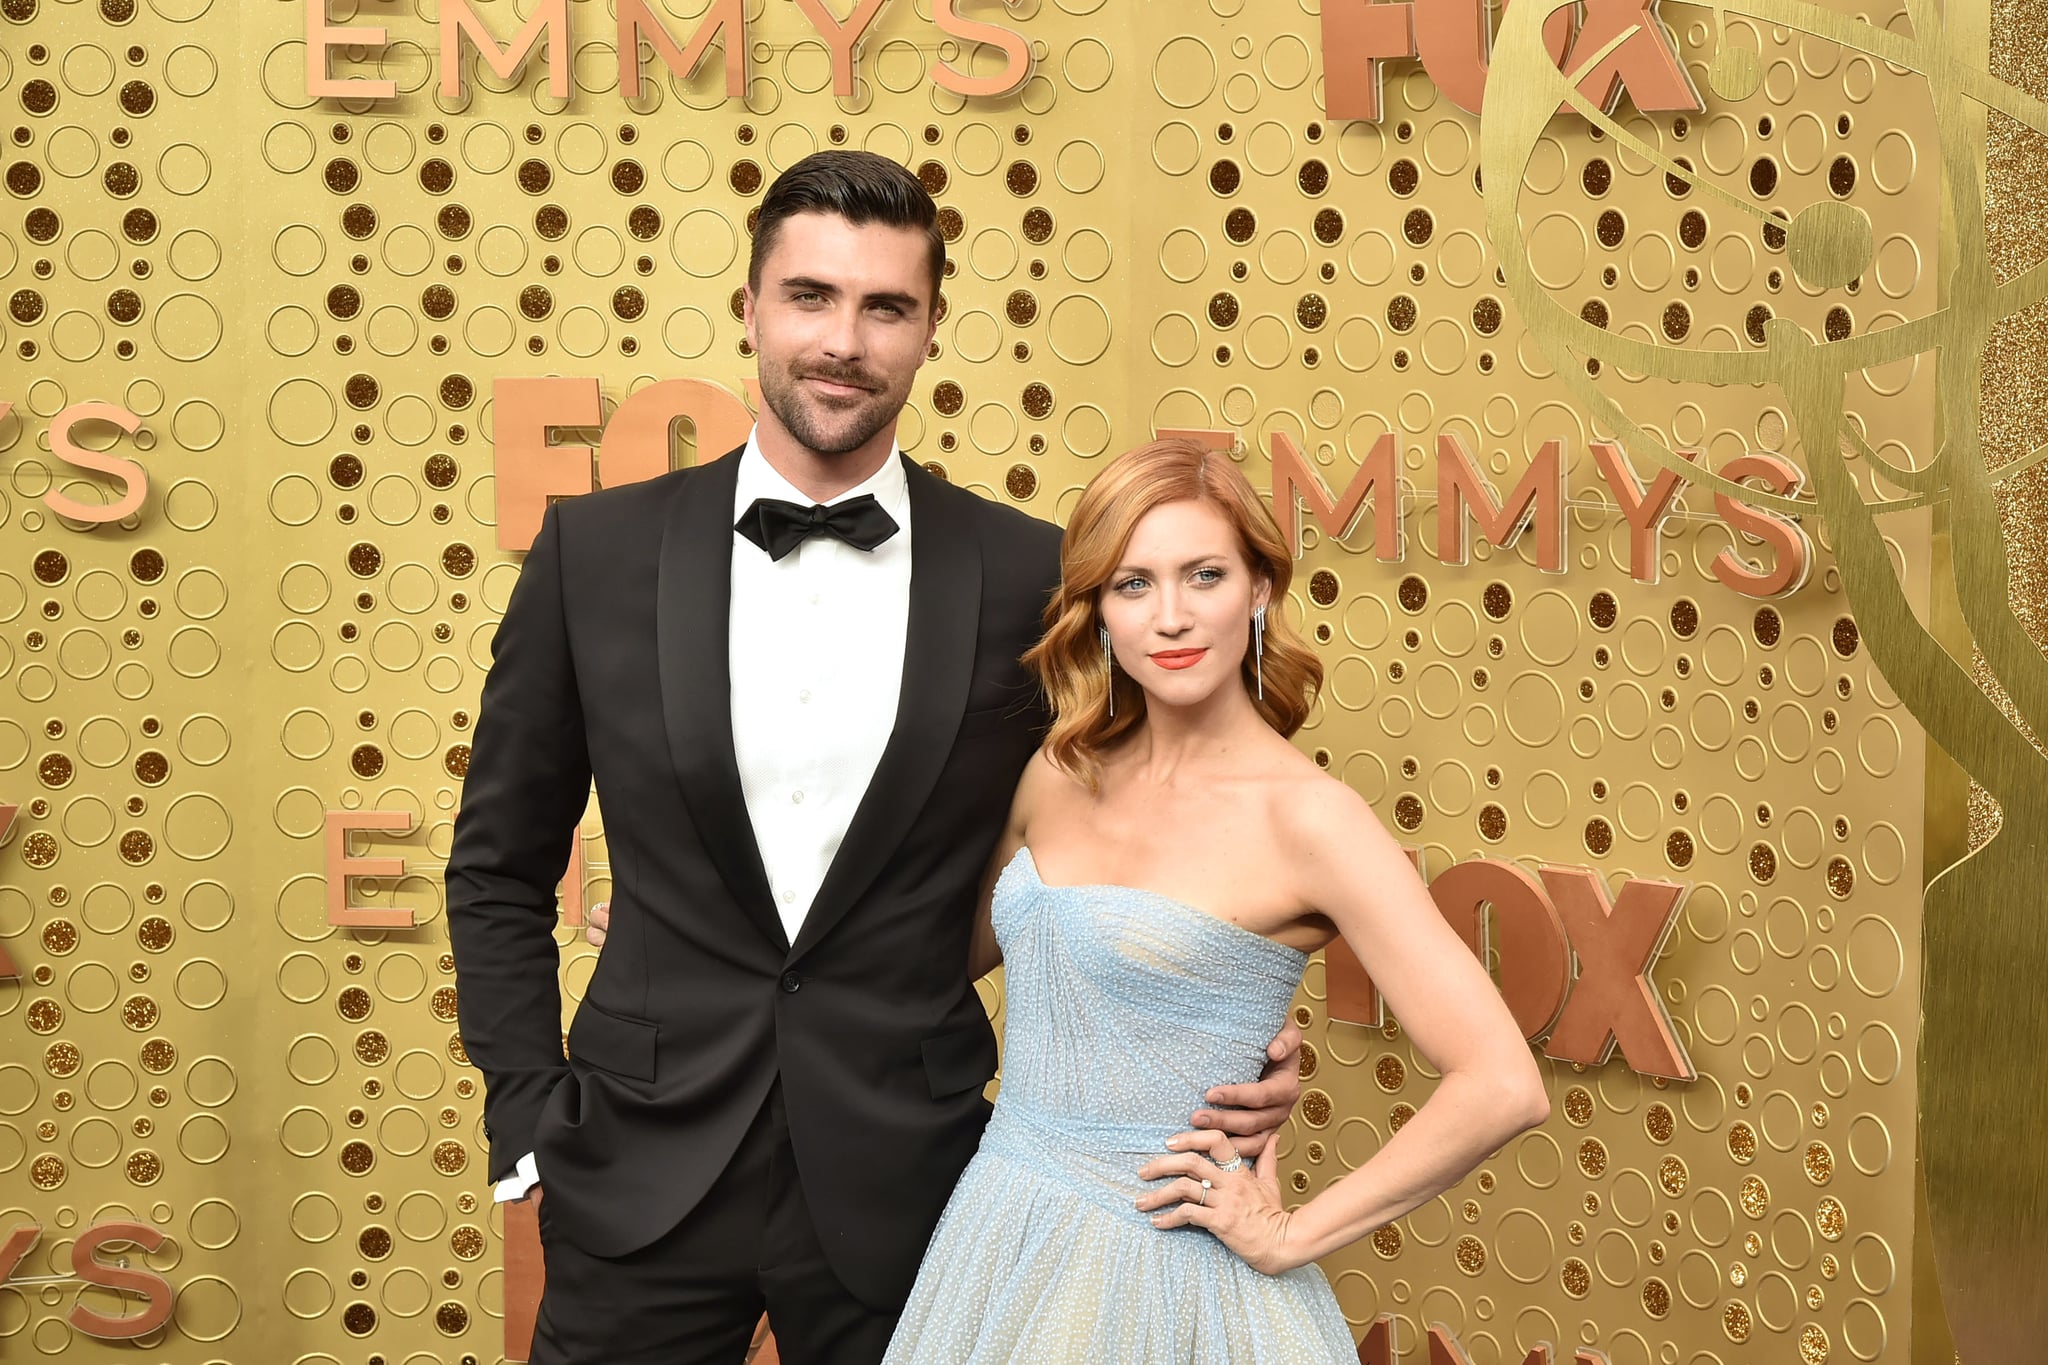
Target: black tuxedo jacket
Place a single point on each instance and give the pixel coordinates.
(611, 664)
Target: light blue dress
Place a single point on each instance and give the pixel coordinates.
(1124, 1007)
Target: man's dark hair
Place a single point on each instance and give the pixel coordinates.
(860, 187)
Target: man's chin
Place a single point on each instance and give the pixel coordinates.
(836, 438)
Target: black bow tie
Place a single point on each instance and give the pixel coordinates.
(779, 526)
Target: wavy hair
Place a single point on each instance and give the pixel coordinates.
(1069, 658)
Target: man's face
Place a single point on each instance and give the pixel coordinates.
(840, 323)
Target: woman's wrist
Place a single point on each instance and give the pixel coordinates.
(1307, 1235)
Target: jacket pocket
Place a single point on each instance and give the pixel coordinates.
(613, 1042)
(961, 1060)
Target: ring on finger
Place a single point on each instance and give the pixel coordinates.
(1204, 1199)
(1235, 1163)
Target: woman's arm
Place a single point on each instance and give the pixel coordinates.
(986, 954)
(1350, 869)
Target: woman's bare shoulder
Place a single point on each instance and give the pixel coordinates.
(1313, 810)
(1045, 786)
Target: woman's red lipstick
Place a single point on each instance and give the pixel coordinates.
(1178, 658)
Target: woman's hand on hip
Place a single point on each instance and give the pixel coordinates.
(1237, 1204)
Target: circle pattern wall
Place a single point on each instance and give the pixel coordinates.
(307, 301)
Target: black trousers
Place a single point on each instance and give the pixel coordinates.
(694, 1296)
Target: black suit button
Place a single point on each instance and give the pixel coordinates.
(791, 982)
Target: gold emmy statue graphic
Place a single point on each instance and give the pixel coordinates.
(1983, 937)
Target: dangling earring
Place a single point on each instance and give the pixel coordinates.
(1108, 667)
(1259, 650)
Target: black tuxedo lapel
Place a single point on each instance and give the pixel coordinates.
(938, 666)
(693, 608)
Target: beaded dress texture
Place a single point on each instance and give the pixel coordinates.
(1123, 1008)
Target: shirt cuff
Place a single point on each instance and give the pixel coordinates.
(516, 1186)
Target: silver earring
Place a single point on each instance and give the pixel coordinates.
(1259, 650)
(1108, 667)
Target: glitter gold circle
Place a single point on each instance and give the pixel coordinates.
(1658, 1122)
(1408, 810)
(1575, 1277)
(458, 560)
(1578, 1106)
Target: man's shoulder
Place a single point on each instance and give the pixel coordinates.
(1006, 531)
(626, 508)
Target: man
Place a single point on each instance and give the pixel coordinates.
(793, 674)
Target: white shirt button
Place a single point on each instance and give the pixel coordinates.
(797, 798)
(816, 598)
(804, 695)
(789, 898)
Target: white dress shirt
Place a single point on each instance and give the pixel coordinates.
(816, 667)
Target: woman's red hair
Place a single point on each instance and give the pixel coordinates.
(1069, 659)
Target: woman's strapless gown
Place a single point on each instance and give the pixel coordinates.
(1124, 1007)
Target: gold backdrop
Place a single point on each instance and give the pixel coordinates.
(306, 302)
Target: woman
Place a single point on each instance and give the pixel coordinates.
(1170, 861)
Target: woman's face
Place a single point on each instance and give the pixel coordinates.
(1179, 603)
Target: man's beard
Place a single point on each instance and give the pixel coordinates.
(808, 421)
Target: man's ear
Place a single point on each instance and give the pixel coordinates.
(747, 317)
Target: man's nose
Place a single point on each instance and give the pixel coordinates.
(841, 338)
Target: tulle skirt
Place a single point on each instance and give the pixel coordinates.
(1026, 1267)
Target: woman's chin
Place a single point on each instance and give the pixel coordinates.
(1180, 694)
